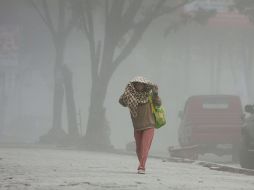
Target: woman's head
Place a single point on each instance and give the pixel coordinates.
(140, 87)
(141, 84)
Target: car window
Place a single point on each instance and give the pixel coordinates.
(215, 103)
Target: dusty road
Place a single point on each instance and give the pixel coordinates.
(45, 169)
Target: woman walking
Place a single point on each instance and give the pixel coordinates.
(136, 98)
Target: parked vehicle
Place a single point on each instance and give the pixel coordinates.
(210, 124)
(247, 144)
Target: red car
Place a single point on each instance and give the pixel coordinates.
(213, 122)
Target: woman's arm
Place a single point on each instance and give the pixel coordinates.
(121, 101)
(156, 98)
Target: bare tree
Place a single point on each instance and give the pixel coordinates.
(125, 22)
(65, 19)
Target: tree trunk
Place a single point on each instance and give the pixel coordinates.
(2, 102)
(2, 117)
(247, 67)
(187, 66)
(218, 68)
(58, 103)
(56, 133)
(213, 64)
(98, 130)
(250, 71)
(70, 103)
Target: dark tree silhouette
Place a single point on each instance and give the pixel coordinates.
(66, 20)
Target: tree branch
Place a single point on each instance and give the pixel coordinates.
(98, 52)
(74, 18)
(140, 27)
(91, 38)
(128, 17)
(138, 31)
(115, 19)
(61, 16)
(38, 11)
(126, 51)
(116, 9)
(106, 9)
(83, 19)
(132, 10)
(48, 18)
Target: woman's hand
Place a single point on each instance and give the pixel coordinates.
(155, 90)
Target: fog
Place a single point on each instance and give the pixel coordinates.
(185, 54)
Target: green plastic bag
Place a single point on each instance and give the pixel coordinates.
(159, 114)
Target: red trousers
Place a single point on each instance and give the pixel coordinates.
(143, 140)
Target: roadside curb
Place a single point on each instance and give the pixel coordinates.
(219, 167)
(210, 165)
(214, 166)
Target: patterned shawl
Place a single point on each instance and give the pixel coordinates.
(132, 98)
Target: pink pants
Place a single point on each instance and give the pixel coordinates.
(143, 140)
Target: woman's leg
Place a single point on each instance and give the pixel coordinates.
(137, 135)
(146, 141)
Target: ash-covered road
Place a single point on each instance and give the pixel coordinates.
(45, 169)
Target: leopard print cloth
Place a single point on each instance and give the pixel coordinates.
(133, 98)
